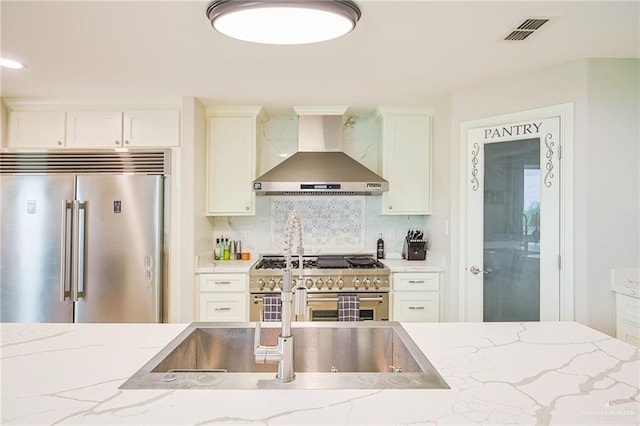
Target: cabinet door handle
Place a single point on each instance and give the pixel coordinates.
(221, 282)
(416, 281)
(416, 308)
(222, 309)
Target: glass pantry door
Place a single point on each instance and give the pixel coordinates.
(513, 223)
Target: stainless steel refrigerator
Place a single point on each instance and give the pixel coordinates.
(82, 236)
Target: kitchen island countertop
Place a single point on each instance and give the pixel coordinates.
(523, 373)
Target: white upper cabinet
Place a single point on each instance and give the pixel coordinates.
(231, 165)
(37, 129)
(95, 129)
(36, 124)
(151, 128)
(131, 128)
(406, 160)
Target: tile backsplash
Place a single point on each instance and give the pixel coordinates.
(328, 222)
(332, 224)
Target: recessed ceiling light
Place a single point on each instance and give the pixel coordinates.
(284, 21)
(10, 63)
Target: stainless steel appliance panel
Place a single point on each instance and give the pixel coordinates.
(121, 246)
(32, 250)
(324, 307)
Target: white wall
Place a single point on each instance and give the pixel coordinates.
(611, 183)
(202, 227)
(439, 224)
(598, 88)
(4, 125)
(187, 210)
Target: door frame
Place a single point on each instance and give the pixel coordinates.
(566, 114)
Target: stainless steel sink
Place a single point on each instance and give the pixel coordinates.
(363, 355)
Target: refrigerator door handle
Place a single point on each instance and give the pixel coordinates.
(82, 227)
(75, 248)
(64, 250)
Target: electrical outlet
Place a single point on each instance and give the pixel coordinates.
(391, 235)
(246, 236)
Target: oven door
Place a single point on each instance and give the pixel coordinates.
(324, 306)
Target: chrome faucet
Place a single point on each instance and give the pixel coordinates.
(282, 353)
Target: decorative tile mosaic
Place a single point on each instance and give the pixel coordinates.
(328, 222)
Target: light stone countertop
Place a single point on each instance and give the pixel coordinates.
(505, 373)
(206, 265)
(402, 265)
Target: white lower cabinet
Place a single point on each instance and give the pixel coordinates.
(628, 319)
(223, 297)
(416, 296)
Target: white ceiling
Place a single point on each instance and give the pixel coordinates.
(401, 53)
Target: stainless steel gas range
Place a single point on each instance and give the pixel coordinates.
(325, 277)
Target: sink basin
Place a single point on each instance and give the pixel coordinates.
(361, 355)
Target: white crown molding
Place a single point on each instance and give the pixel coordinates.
(92, 104)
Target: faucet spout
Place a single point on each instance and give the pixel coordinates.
(282, 353)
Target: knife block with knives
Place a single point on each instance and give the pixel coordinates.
(415, 246)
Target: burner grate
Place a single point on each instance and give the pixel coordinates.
(332, 262)
(321, 262)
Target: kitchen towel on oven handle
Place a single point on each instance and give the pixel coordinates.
(271, 308)
(348, 307)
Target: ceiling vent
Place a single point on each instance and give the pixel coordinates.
(525, 29)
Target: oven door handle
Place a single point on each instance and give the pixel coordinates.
(258, 299)
(335, 299)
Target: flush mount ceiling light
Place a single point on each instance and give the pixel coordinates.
(284, 21)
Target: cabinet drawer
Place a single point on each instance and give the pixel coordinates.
(408, 281)
(416, 307)
(223, 282)
(628, 309)
(224, 307)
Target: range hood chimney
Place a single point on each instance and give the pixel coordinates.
(320, 167)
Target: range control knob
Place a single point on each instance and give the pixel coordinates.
(356, 282)
(376, 282)
(330, 283)
(271, 284)
(340, 283)
(260, 283)
(308, 283)
(280, 283)
(319, 283)
(367, 282)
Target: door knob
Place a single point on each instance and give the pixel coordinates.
(475, 270)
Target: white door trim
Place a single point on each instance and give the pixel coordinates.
(565, 112)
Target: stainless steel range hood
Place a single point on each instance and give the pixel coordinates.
(320, 167)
